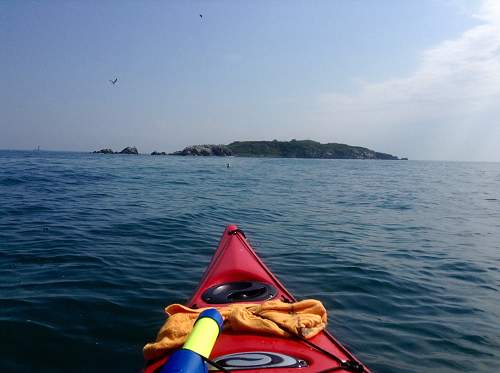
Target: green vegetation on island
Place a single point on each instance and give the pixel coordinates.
(285, 149)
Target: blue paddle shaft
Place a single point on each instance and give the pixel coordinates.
(184, 361)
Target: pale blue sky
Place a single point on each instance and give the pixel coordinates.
(412, 78)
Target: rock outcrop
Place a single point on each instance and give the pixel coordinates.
(205, 150)
(104, 151)
(129, 150)
(158, 153)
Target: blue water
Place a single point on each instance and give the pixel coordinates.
(405, 255)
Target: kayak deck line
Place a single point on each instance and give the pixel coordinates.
(237, 275)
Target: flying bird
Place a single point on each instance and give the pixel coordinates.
(201, 16)
(114, 81)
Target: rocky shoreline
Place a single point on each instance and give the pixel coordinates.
(205, 150)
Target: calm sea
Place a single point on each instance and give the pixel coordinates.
(405, 255)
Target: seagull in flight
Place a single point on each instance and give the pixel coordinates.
(113, 81)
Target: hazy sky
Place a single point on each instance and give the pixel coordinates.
(413, 78)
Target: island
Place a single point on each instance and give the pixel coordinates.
(285, 149)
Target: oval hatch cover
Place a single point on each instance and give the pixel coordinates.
(258, 360)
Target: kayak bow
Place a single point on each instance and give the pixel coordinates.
(236, 274)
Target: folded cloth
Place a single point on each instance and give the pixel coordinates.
(305, 318)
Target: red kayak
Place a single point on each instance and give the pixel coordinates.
(236, 274)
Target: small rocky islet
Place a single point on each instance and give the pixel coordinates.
(127, 150)
(275, 148)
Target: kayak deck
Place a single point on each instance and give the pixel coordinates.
(236, 274)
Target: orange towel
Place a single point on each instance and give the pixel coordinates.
(306, 318)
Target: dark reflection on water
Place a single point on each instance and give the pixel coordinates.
(405, 255)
